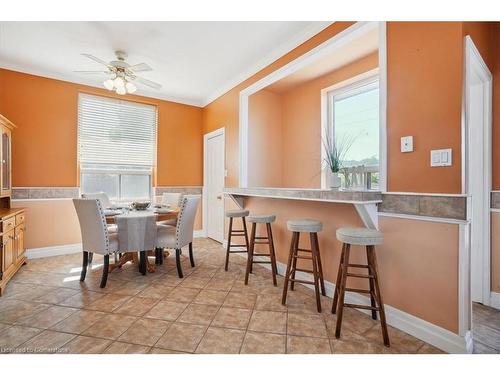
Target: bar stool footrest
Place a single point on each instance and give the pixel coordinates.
(365, 307)
(365, 291)
(302, 257)
(302, 281)
(305, 250)
(303, 270)
(359, 275)
(355, 265)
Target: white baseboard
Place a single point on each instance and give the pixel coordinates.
(430, 333)
(495, 300)
(199, 233)
(43, 252)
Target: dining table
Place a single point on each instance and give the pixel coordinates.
(160, 214)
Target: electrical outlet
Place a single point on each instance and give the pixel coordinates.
(407, 144)
(441, 158)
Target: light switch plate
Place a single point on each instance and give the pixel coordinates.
(407, 144)
(441, 158)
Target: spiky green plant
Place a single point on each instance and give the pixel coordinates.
(336, 151)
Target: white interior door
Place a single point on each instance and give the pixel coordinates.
(214, 183)
(478, 112)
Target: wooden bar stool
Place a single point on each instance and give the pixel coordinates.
(312, 227)
(368, 238)
(231, 214)
(264, 240)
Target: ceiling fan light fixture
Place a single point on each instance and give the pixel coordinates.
(119, 82)
(121, 90)
(120, 74)
(131, 88)
(109, 84)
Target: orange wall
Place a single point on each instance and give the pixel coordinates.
(495, 252)
(424, 99)
(45, 141)
(285, 130)
(425, 68)
(302, 124)
(265, 151)
(224, 111)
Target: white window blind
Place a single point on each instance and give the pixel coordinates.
(116, 132)
(116, 147)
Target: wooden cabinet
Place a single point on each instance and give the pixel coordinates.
(12, 220)
(19, 241)
(9, 252)
(12, 251)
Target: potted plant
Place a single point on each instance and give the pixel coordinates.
(336, 151)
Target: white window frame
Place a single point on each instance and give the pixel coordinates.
(120, 173)
(359, 83)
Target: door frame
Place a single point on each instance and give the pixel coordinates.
(475, 63)
(218, 132)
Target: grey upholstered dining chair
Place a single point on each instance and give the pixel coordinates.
(181, 235)
(103, 198)
(174, 201)
(95, 235)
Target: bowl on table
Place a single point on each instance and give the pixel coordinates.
(140, 206)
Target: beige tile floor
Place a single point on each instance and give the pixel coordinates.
(47, 310)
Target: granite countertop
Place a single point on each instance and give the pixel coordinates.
(341, 196)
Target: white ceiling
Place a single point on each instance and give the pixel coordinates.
(195, 62)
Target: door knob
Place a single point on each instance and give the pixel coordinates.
(219, 197)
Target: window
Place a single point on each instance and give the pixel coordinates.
(116, 147)
(354, 122)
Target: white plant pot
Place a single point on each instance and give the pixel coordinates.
(335, 181)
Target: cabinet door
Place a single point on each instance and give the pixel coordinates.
(19, 244)
(6, 161)
(8, 251)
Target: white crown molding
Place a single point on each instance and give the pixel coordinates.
(63, 77)
(277, 52)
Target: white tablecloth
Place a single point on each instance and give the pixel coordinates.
(136, 230)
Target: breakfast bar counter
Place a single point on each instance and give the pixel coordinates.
(365, 202)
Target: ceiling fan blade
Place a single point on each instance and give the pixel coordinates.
(142, 67)
(90, 71)
(96, 59)
(147, 82)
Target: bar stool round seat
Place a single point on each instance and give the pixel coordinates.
(360, 236)
(304, 225)
(237, 213)
(264, 219)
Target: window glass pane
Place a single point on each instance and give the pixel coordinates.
(356, 121)
(135, 186)
(100, 182)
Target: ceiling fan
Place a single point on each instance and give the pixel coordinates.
(122, 75)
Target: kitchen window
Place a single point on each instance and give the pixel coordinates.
(353, 121)
(116, 147)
